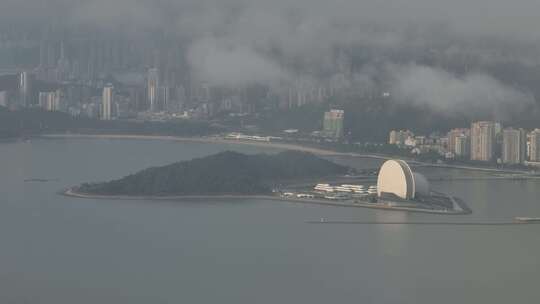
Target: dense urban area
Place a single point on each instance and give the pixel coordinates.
(55, 80)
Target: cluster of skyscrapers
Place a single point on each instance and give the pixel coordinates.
(153, 79)
(485, 141)
(512, 146)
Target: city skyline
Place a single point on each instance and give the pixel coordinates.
(485, 141)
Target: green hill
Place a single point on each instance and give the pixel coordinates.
(219, 174)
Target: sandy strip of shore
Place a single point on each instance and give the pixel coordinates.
(219, 140)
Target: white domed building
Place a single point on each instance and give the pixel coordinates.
(397, 179)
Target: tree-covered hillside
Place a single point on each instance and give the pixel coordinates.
(222, 173)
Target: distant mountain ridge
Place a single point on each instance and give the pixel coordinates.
(224, 173)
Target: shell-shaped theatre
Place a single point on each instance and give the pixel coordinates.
(397, 178)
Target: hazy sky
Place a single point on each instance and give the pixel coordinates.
(516, 19)
(237, 41)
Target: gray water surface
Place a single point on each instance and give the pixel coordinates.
(62, 250)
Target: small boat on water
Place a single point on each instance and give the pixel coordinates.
(527, 219)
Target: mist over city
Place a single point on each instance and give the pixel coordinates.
(450, 56)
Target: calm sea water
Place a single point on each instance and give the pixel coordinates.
(57, 250)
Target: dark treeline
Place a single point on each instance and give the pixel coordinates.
(371, 120)
(222, 173)
(365, 121)
(24, 123)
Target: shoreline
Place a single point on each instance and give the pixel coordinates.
(284, 146)
(71, 192)
(216, 140)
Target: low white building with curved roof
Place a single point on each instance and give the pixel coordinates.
(397, 178)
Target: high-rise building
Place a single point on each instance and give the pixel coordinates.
(63, 65)
(179, 100)
(452, 138)
(483, 141)
(25, 89)
(107, 102)
(4, 98)
(514, 146)
(49, 101)
(204, 92)
(333, 123)
(393, 138)
(399, 137)
(462, 145)
(534, 155)
(153, 89)
(164, 94)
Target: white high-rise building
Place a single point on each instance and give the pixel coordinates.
(4, 98)
(49, 101)
(164, 94)
(25, 89)
(514, 146)
(399, 137)
(107, 102)
(153, 89)
(483, 141)
(462, 145)
(452, 138)
(535, 146)
(333, 123)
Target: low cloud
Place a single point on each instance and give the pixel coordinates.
(452, 93)
(238, 42)
(221, 63)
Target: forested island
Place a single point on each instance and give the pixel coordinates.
(225, 173)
